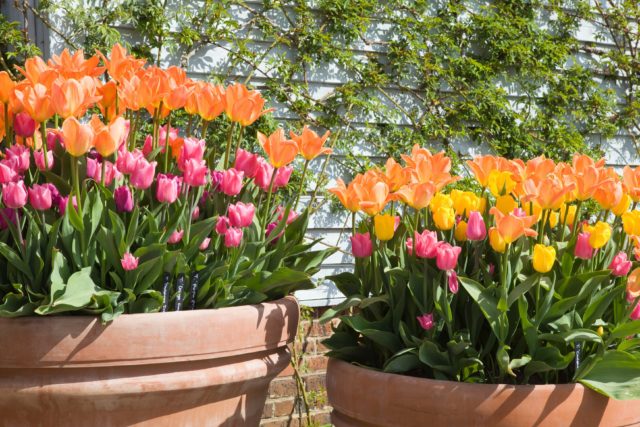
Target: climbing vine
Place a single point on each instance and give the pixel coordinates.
(507, 76)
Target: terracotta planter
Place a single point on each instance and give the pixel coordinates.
(364, 397)
(190, 368)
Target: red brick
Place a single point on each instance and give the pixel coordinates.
(267, 412)
(315, 382)
(288, 371)
(285, 407)
(283, 387)
(315, 363)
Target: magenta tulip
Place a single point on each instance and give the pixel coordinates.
(167, 188)
(263, 174)
(129, 262)
(175, 237)
(142, 176)
(425, 244)
(426, 321)
(241, 214)
(231, 182)
(195, 172)
(452, 279)
(123, 199)
(20, 157)
(222, 225)
(14, 194)
(205, 244)
(24, 125)
(620, 265)
(233, 237)
(282, 177)
(40, 197)
(361, 245)
(191, 150)
(38, 156)
(290, 217)
(583, 249)
(476, 229)
(127, 161)
(246, 162)
(7, 173)
(447, 256)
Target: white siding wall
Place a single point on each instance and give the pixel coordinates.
(322, 80)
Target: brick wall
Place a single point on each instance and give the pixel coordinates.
(285, 406)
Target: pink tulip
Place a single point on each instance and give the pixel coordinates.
(231, 182)
(426, 321)
(167, 188)
(147, 148)
(620, 265)
(142, 176)
(269, 229)
(447, 256)
(222, 225)
(205, 244)
(10, 215)
(7, 173)
(233, 237)
(361, 245)
(192, 149)
(93, 169)
(40, 197)
(20, 156)
(175, 237)
(635, 314)
(425, 244)
(409, 245)
(476, 230)
(54, 137)
(24, 125)
(583, 249)
(263, 174)
(246, 162)
(519, 212)
(216, 180)
(491, 269)
(63, 201)
(123, 199)
(241, 214)
(452, 279)
(195, 172)
(396, 222)
(129, 262)
(290, 218)
(282, 177)
(14, 194)
(127, 160)
(195, 214)
(38, 155)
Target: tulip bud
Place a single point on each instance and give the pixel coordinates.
(426, 321)
(460, 232)
(123, 199)
(543, 258)
(476, 230)
(14, 194)
(129, 262)
(496, 241)
(384, 225)
(222, 225)
(175, 237)
(447, 256)
(620, 265)
(40, 197)
(361, 245)
(24, 125)
(233, 237)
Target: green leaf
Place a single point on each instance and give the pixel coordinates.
(352, 301)
(489, 307)
(625, 330)
(433, 357)
(74, 218)
(405, 361)
(76, 294)
(572, 336)
(14, 259)
(616, 374)
(523, 288)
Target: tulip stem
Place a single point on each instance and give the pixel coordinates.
(239, 143)
(227, 154)
(103, 171)
(6, 124)
(268, 207)
(189, 124)
(76, 184)
(166, 145)
(304, 173)
(187, 228)
(43, 131)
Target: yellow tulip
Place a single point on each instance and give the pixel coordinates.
(554, 218)
(440, 201)
(623, 206)
(384, 226)
(506, 204)
(631, 223)
(461, 231)
(501, 183)
(543, 258)
(570, 212)
(464, 202)
(444, 218)
(599, 234)
(496, 241)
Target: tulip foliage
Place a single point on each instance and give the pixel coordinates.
(520, 282)
(97, 216)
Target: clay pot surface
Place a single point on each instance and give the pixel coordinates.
(367, 398)
(188, 368)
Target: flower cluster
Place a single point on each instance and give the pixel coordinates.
(96, 181)
(516, 279)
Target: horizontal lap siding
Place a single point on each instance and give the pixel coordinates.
(323, 79)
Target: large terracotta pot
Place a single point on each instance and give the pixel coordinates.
(364, 397)
(190, 368)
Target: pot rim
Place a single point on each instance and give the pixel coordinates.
(363, 370)
(147, 338)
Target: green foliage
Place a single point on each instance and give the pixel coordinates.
(502, 74)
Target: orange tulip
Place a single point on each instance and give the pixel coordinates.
(191, 103)
(75, 66)
(36, 101)
(210, 101)
(6, 87)
(433, 168)
(633, 283)
(120, 65)
(512, 227)
(346, 194)
(67, 98)
(77, 137)
(281, 151)
(310, 144)
(37, 71)
(631, 180)
(108, 138)
(395, 175)
(2, 124)
(609, 192)
(549, 192)
(481, 167)
(244, 106)
(178, 90)
(107, 103)
(416, 195)
(372, 193)
(539, 167)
